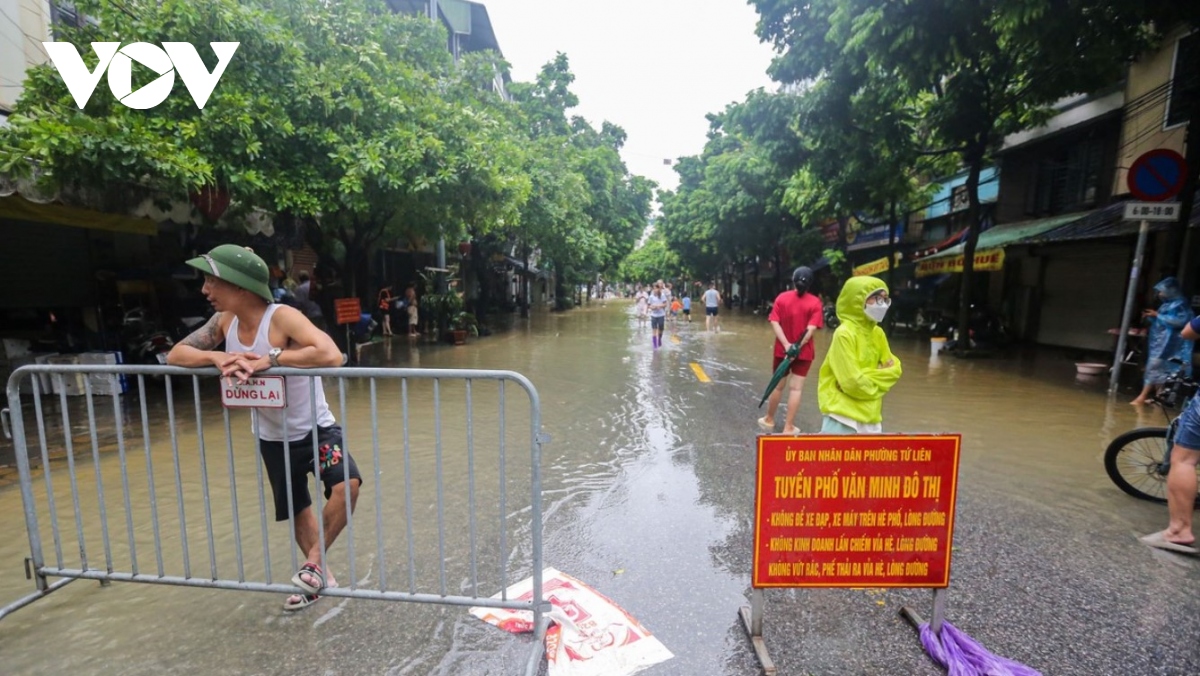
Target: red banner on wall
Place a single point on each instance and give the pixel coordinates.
(855, 511)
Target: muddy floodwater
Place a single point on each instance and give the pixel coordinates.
(647, 495)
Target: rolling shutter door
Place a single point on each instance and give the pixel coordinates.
(1082, 295)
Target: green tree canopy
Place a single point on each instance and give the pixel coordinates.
(963, 75)
(585, 210)
(345, 116)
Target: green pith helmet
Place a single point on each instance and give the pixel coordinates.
(237, 265)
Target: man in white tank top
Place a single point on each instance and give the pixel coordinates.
(258, 335)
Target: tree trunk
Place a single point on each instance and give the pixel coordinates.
(524, 300)
(891, 260)
(560, 288)
(479, 263)
(842, 245)
(974, 215)
(780, 283)
(347, 271)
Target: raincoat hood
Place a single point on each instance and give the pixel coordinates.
(853, 299)
(859, 367)
(1169, 288)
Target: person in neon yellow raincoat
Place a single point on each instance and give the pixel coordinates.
(859, 367)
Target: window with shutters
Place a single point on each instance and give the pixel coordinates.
(1185, 79)
(1070, 179)
(65, 14)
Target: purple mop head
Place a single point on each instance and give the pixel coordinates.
(962, 655)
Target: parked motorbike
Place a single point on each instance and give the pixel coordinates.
(987, 331)
(186, 325)
(145, 343)
(830, 317)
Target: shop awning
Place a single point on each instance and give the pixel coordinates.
(1099, 224)
(940, 246)
(518, 266)
(1006, 234)
(989, 251)
(18, 208)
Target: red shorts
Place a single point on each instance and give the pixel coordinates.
(800, 367)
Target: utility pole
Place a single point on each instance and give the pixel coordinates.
(441, 243)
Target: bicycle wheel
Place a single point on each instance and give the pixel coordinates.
(1133, 462)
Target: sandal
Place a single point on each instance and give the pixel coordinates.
(298, 601)
(314, 572)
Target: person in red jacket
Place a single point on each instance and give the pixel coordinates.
(795, 317)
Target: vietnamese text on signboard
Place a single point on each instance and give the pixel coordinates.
(348, 310)
(874, 267)
(855, 511)
(257, 392)
(985, 261)
(859, 236)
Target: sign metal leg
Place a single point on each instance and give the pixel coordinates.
(938, 617)
(939, 611)
(752, 620)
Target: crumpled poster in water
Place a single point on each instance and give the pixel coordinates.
(590, 635)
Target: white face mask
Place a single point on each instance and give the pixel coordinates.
(878, 311)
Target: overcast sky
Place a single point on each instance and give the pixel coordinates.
(654, 67)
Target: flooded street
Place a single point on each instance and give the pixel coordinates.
(648, 491)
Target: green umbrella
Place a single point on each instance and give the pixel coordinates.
(781, 372)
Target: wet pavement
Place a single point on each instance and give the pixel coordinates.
(648, 497)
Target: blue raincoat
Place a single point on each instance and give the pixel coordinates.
(1163, 340)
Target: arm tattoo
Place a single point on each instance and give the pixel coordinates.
(206, 337)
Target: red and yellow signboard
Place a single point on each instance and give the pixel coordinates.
(985, 261)
(875, 267)
(348, 310)
(855, 511)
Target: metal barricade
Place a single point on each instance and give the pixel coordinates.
(418, 436)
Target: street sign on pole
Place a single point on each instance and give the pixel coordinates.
(1135, 272)
(349, 310)
(1157, 175)
(1152, 211)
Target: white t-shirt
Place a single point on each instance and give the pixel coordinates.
(712, 298)
(861, 427)
(299, 408)
(658, 306)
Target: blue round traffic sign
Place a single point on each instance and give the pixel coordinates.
(1157, 175)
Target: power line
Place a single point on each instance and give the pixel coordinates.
(10, 40)
(16, 25)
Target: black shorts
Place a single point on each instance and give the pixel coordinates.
(657, 322)
(333, 471)
(710, 311)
